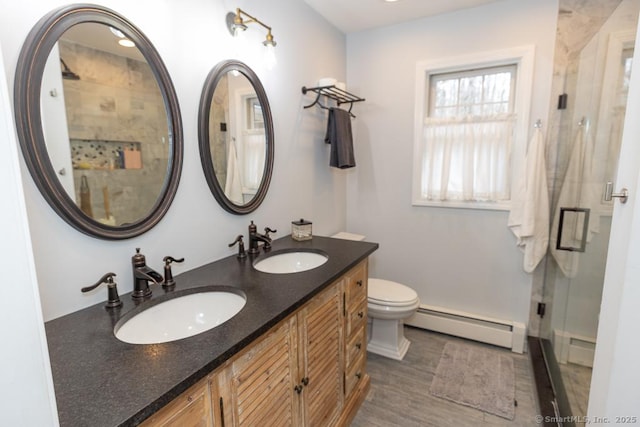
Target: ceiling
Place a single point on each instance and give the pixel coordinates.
(356, 15)
(98, 36)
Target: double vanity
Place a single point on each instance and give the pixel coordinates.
(295, 353)
(271, 344)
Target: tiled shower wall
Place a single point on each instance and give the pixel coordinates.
(118, 100)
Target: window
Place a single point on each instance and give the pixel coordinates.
(484, 92)
(625, 75)
(468, 139)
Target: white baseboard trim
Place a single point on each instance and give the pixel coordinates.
(472, 326)
(573, 348)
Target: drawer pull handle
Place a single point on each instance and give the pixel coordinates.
(305, 381)
(190, 399)
(361, 314)
(358, 375)
(298, 388)
(358, 346)
(359, 282)
(222, 411)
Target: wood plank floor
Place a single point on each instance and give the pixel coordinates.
(577, 382)
(399, 394)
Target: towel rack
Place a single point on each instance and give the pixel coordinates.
(332, 92)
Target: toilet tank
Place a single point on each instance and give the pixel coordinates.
(348, 236)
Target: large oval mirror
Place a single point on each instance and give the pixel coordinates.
(98, 121)
(236, 137)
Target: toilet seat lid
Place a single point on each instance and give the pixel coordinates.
(386, 291)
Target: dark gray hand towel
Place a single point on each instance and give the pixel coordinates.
(340, 138)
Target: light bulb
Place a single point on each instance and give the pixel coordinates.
(117, 33)
(270, 59)
(239, 34)
(126, 43)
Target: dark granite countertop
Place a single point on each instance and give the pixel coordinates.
(101, 381)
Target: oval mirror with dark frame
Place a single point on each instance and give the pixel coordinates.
(98, 121)
(235, 132)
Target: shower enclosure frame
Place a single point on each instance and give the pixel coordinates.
(554, 401)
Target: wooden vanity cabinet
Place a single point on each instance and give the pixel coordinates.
(308, 370)
(355, 308)
(293, 375)
(258, 387)
(191, 409)
(321, 359)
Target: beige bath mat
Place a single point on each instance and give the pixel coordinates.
(477, 377)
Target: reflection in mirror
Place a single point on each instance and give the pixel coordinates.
(236, 132)
(236, 137)
(116, 135)
(98, 121)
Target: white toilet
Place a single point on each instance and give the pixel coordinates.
(388, 304)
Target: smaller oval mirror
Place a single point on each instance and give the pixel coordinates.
(236, 137)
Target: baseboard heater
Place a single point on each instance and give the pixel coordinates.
(572, 348)
(472, 326)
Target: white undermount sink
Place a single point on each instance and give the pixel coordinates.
(180, 317)
(291, 262)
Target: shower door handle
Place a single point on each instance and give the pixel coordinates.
(564, 212)
(623, 195)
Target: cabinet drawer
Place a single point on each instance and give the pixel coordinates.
(356, 317)
(356, 346)
(190, 408)
(356, 284)
(354, 374)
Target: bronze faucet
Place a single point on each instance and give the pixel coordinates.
(255, 238)
(142, 275)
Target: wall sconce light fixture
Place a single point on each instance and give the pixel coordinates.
(237, 24)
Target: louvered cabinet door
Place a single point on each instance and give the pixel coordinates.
(321, 358)
(258, 388)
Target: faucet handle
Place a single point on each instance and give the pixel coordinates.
(169, 259)
(168, 283)
(113, 299)
(241, 253)
(267, 245)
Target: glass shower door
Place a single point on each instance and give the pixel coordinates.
(588, 125)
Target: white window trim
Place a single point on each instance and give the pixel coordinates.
(523, 57)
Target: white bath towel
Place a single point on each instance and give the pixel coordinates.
(580, 189)
(529, 216)
(233, 186)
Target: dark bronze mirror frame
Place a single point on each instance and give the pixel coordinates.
(204, 138)
(28, 82)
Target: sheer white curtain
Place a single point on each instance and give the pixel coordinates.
(254, 154)
(467, 159)
(233, 184)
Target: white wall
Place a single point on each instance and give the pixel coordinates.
(27, 396)
(191, 39)
(460, 259)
